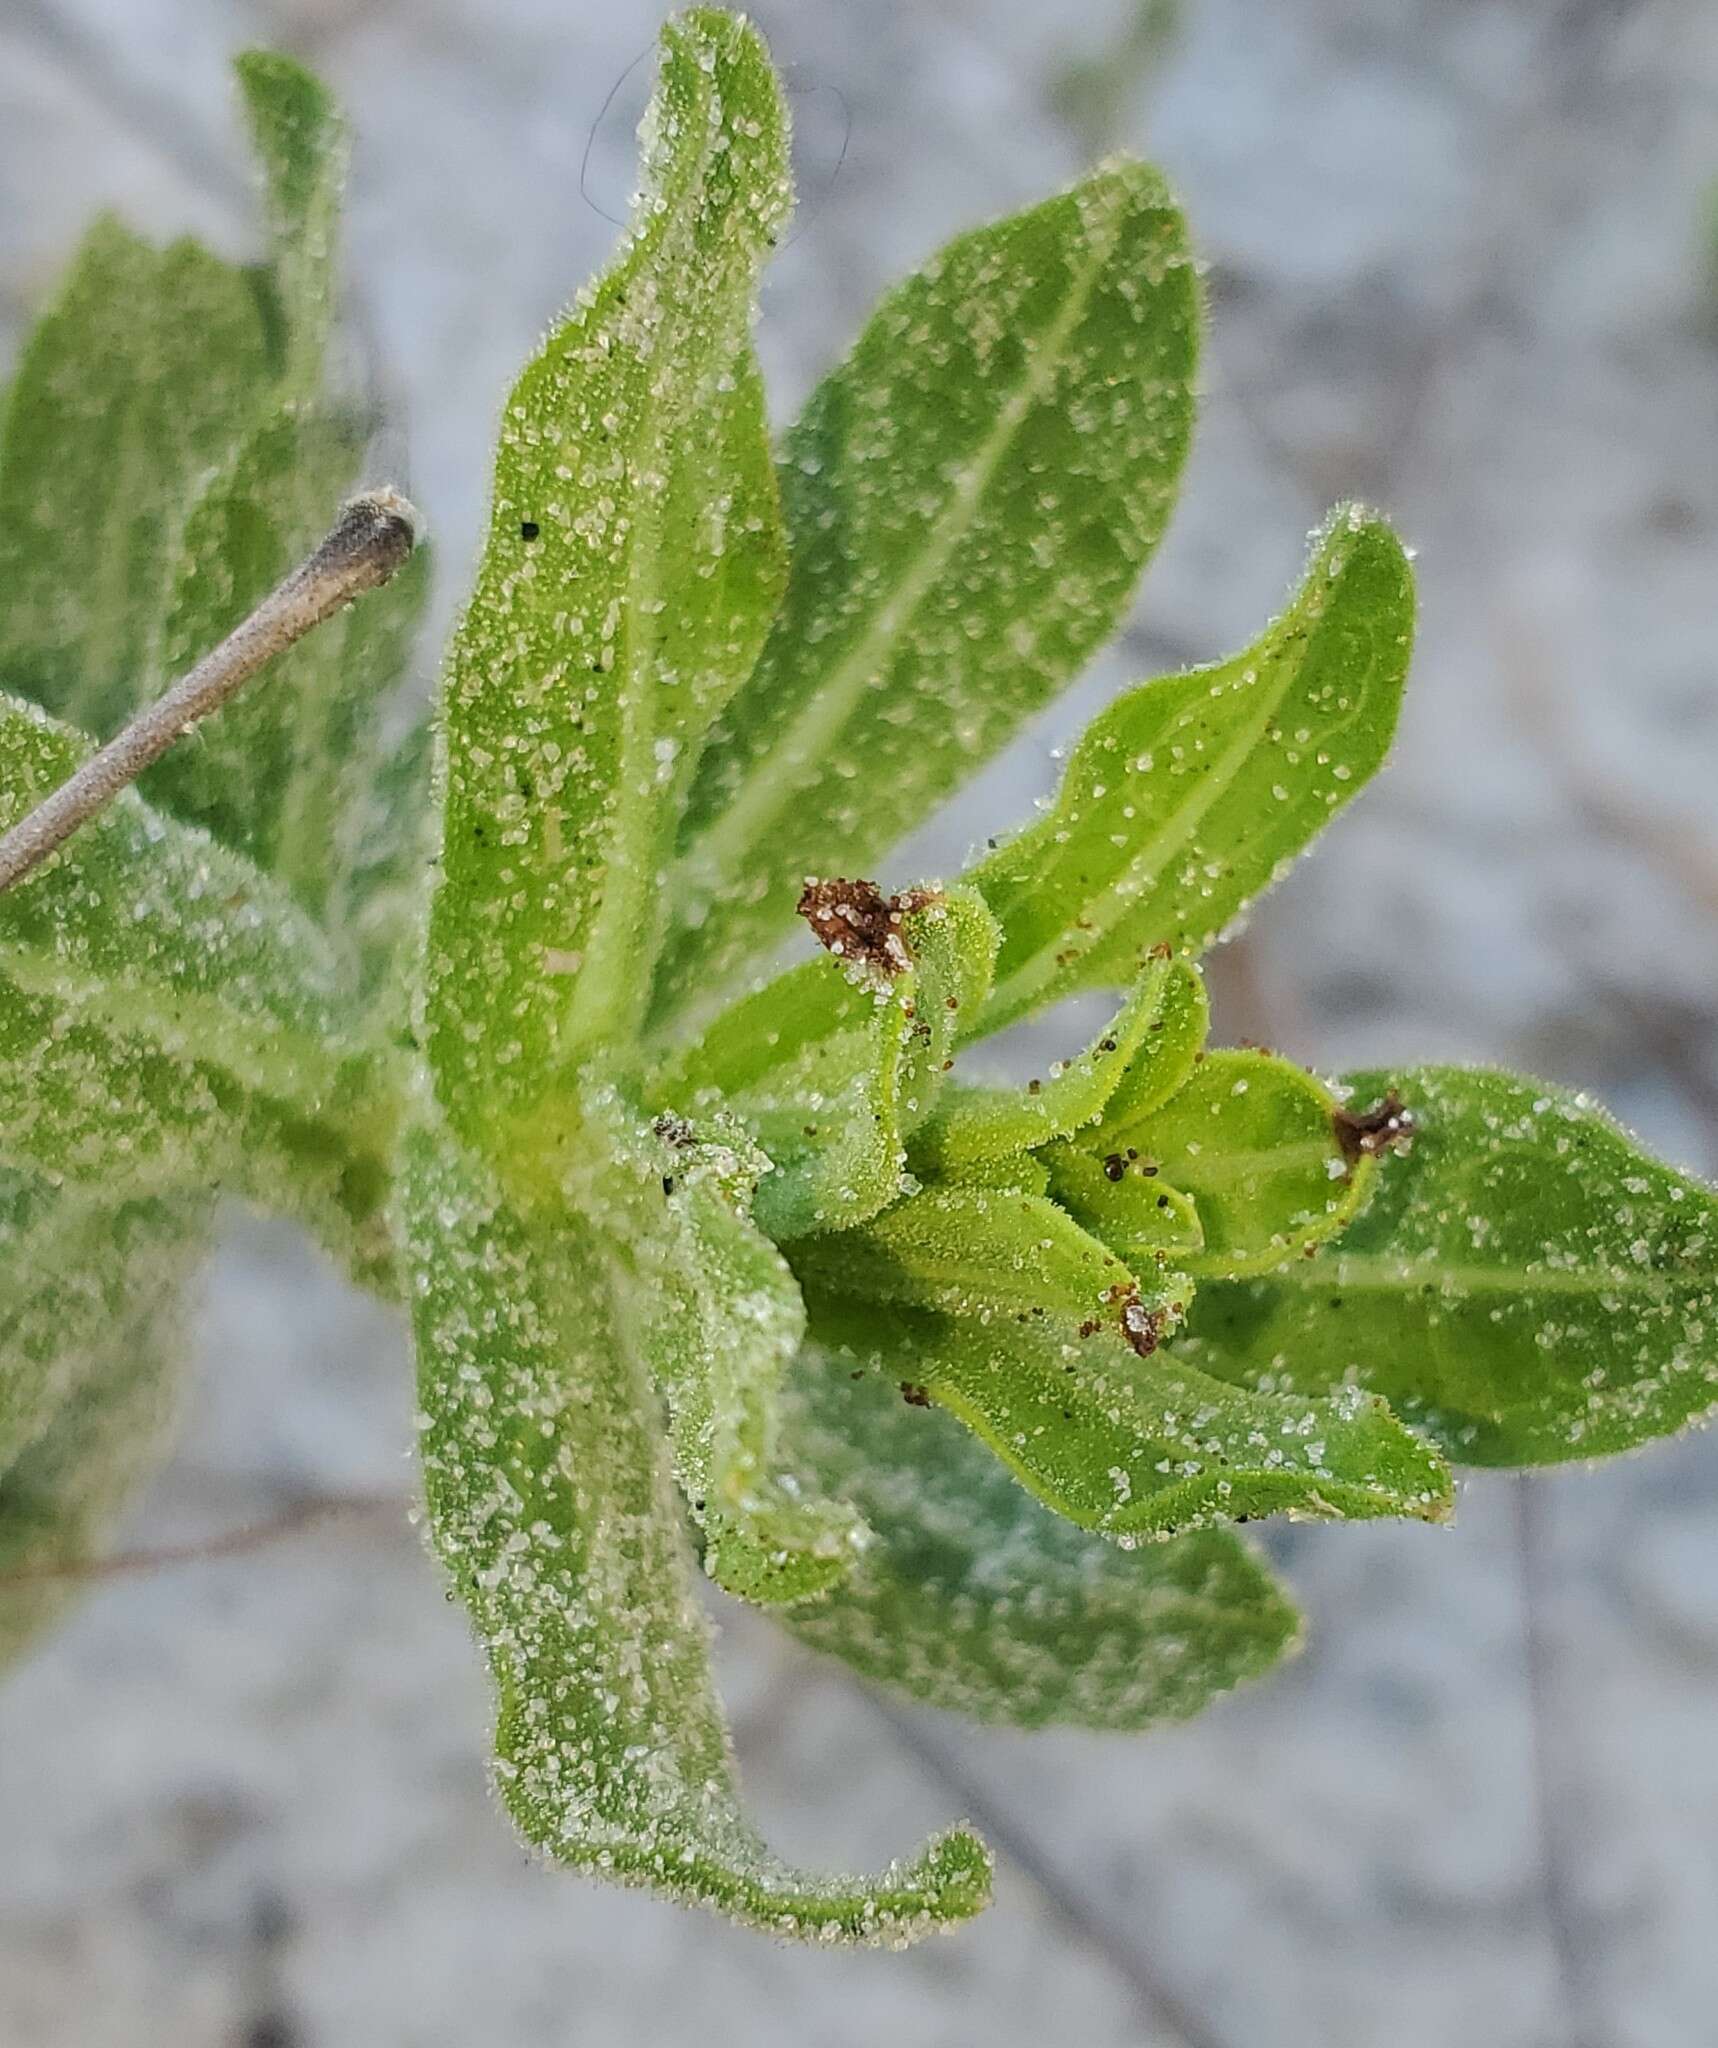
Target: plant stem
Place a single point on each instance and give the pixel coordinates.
(370, 541)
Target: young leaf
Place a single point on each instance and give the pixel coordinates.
(553, 1507)
(716, 1314)
(1525, 1285)
(119, 1365)
(634, 558)
(1132, 1446)
(970, 498)
(1270, 1161)
(301, 141)
(834, 1065)
(1190, 795)
(976, 1125)
(972, 1597)
(145, 375)
(991, 1253)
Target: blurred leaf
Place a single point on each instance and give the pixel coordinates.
(277, 772)
(970, 498)
(1134, 1446)
(717, 1316)
(301, 142)
(113, 1348)
(1256, 1145)
(972, 1597)
(1190, 795)
(633, 561)
(143, 377)
(553, 1507)
(1525, 1285)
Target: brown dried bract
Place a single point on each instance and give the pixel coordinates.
(1142, 1326)
(859, 924)
(1365, 1133)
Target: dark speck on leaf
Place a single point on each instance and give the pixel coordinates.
(529, 529)
(914, 1396)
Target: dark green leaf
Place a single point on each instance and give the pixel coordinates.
(972, 1597)
(1525, 1285)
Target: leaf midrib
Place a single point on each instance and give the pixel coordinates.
(770, 781)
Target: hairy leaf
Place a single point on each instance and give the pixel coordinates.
(1133, 1446)
(1260, 1149)
(972, 1597)
(974, 1125)
(166, 1013)
(833, 1068)
(970, 498)
(717, 1317)
(1525, 1286)
(553, 1507)
(633, 560)
(1190, 795)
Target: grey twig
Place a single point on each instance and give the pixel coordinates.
(372, 538)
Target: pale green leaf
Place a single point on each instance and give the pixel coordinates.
(715, 1312)
(1190, 795)
(633, 560)
(972, 1597)
(107, 1333)
(1132, 1446)
(1525, 1285)
(301, 142)
(970, 498)
(168, 1014)
(553, 1506)
(277, 772)
(141, 378)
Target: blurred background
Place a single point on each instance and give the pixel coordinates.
(1463, 264)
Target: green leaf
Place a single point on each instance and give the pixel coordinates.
(970, 498)
(973, 1126)
(1129, 1446)
(715, 1312)
(106, 1334)
(166, 1013)
(384, 854)
(991, 1253)
(833, 1066)
(1525, 1285)
(552, 1504)
(972, 1597)
(143, 376)
(277, 772)
(634, 558)
(1190, 795)
(1256, 1145)
(301, 141)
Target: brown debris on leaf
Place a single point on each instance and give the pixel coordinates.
(859, 924)
(1142, 1326)
(1365, 1133)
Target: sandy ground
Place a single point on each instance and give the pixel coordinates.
(1457, 270)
